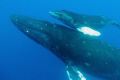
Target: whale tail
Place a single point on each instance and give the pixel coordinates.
(116, 24)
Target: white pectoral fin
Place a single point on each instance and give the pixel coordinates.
(74, 74)
(89, 31)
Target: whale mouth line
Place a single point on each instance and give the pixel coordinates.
(28, 27)
(55, 14)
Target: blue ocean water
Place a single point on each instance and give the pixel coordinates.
(23, 59)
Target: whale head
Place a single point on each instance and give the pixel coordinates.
(35, 29)
(61, 15)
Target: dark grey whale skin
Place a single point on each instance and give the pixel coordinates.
(76, 20)
(84, 52)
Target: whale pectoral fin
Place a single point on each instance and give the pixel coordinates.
(74, 74)
(116, 24)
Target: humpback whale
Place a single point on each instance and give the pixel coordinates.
(80, 52)
(76, 20)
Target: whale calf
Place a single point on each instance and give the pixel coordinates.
(76, 20)
(79, 52)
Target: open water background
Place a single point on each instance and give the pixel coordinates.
(23, 59)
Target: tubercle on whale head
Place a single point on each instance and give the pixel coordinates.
(33, 28)
(55, 14)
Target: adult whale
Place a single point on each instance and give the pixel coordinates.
(76, 20)
(79, 52)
